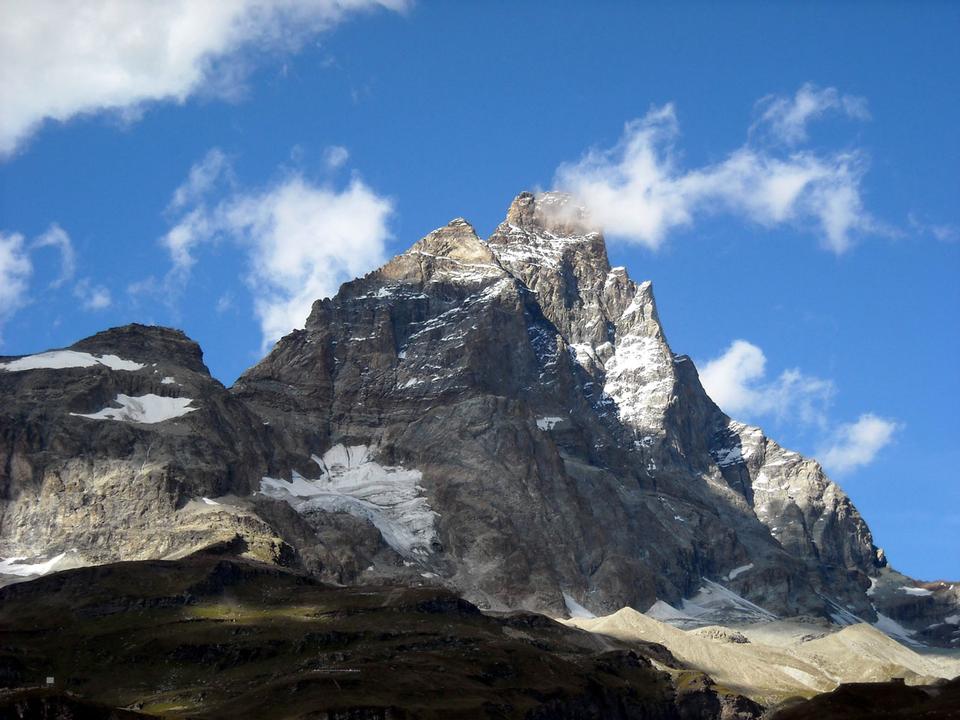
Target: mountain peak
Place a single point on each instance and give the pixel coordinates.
(146, 343)
(556, 213)
(452, 252)
(455, 239)
(549, 231)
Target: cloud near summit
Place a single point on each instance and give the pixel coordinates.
(639, 192)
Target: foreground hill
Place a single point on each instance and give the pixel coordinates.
(213, 636)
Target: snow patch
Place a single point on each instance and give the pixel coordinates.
(894, 629)
(916, 591)
(145, 409)
(639, 380)
(576, 609)
(725, 457)
(800, 676)
(169, 381)
(952, 619)
(15, 566)
(739, 571)
(61, 359)
(351, 481)
(548, 423)
(715, 603)
(208, 501)
(664, 612)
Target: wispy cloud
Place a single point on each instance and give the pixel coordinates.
(301, 241)
(215, 167)
(942, 232)
(16, 266)
(62, 59)
(56, 237)
(224, 303)
(335, 156)
(856, 444)
(15, 270)
(639, 192)
(736, 380)
(785, 119)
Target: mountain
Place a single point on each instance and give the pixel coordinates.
(504, 418)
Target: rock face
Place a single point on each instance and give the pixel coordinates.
(504, 417)
(85, 481)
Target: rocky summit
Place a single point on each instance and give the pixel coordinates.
(503, 418)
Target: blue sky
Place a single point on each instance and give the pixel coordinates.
(380, 122)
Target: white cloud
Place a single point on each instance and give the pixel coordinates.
(56, 237)
(857, 444)
(62, 58)
(736, 381)
(786, 118)
(15, 270)
(92, 297)
(638, 192)
(304, 242)
(301, 240)
(335, 156)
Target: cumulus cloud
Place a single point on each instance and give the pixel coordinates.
(304, 241)
(62, 58)
(301, 241)
(91, 296)
(638, 191)
(785, 119)
(56, 237)
(15, 270)
(856, 444)
(736, 381)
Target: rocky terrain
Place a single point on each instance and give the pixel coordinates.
(503, 418)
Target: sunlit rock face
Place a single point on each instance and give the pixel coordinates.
(504, 416)
(106, 446)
